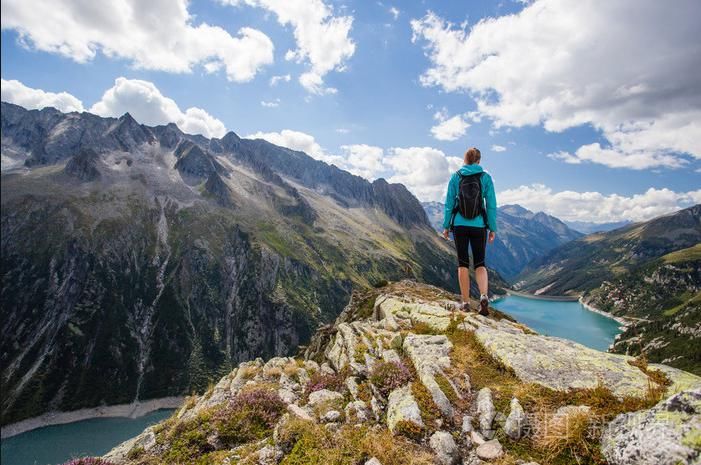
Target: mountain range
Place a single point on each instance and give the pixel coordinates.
(141, 262)
(648, 272)
(522, 237)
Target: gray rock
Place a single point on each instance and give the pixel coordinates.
(476, 438)
(466, 424)
(269, 455)
(352, 385)
(430, 356)
(390, 355)
(376, 408)
(490, 450)
(485, 411)
(666, 434)
(326, 368)
(324, 396)
(300, 412)
(444, 447)
(402, 406)
(357, 412)
(331, 416)
(373, 461)
(560, 364)
(516, 421)
(287, 396)
(472, 459)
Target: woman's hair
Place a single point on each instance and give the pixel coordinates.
(472, 156)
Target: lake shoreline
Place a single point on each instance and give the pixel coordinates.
(622, 322)
(132, 410)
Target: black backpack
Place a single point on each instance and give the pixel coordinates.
(469, 200)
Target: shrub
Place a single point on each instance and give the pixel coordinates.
(250, 416)
(320, 380)
(387, 376)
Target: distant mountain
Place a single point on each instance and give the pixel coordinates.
(649, 271)
(586, 227)
(142, 262)
(523, 236)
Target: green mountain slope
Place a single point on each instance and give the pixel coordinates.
(140, 262)
(649, 273)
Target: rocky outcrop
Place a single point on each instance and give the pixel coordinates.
(84, 165)
(337, 398)
(667, 434)
(561, 364)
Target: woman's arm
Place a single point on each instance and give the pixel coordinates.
(491, 200)
(449, 202)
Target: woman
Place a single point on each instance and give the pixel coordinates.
(472, 223)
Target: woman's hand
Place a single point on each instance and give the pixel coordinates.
(446, 234)
(492, 235)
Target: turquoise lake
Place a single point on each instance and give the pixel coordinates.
(56, 444)
(569, 320)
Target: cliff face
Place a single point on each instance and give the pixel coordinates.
(142, 262)
(404, 377)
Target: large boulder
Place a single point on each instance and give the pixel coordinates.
(443, 445)
(430, 356)
(667, 434)
(561, 365)
(402, 407)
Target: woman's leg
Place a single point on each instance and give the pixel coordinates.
(478, 244)
(462, 248)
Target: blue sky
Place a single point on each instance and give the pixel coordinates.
(563, 98)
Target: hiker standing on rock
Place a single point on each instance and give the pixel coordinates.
(472, 223)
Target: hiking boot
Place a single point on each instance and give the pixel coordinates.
(484, 306)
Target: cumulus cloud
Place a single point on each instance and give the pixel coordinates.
(638, 160)
(423, 170)
(597, 207)
(157, 35)
(451, 128)
(295, 140)
(15, 92)
(363, 160)
(498, 148)
(628, 69)
(147, 105)
(322, 38)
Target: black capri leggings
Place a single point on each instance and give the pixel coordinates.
(476, 239)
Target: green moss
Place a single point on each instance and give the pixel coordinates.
(447, 388)
(409, 430)
(692, 439)
(429, 410)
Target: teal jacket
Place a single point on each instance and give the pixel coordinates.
(487, 194)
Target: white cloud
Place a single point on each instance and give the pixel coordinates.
(270, 104)
(629, 69)
(147, 105)
(451, 128)
(423, 170)
(343, 130)
(157, 35)
(498, 148)
(295, 140)
(638, 160)
(282, 78)
(363, 160)
(597, 207)
(322, 38)
(394, 11)
(15, 92)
